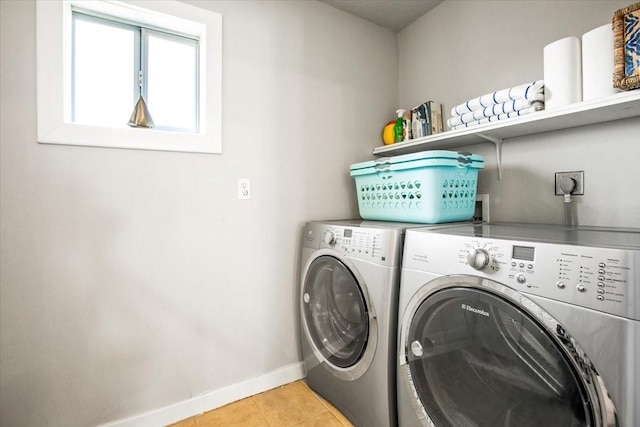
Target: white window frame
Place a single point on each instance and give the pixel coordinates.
(53, 19)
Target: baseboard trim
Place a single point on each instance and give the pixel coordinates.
(213, 399)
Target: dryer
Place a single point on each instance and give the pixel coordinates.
(519, 325)
(350, 273)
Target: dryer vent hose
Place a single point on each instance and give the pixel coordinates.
(568, 185)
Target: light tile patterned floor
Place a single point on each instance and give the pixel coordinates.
(291, 405)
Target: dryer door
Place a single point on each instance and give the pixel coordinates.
(476, 353)
(337, 317)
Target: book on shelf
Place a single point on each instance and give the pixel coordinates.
(435, 113)
(420, 121)
(426, 119)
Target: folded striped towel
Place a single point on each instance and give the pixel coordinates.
(495, 110)
(529, 91)
(500, 117)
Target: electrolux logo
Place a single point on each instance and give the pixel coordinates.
(474, 310)
(421, 258)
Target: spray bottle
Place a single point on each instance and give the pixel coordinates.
(399, 127)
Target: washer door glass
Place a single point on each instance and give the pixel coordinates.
(478, 360)
(335, 312)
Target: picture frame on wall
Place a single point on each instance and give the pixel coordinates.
(626, 36)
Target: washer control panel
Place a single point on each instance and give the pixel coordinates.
(603, 279)
(377, 245)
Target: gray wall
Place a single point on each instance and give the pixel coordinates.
(132, 280)
(463, 49)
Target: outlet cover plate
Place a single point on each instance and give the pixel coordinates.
(244, 188)
(577, 175)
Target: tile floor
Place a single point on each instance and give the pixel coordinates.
(290, 405)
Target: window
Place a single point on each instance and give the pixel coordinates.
(95, 58)
(114, 62)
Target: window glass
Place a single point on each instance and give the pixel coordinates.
(103, 73)
(172, 82)
(114, 60)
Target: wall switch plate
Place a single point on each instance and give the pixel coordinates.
(578, 176)
(244, 188)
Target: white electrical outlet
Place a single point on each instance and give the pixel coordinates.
(244, 188)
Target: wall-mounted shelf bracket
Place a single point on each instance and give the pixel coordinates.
(498, 143)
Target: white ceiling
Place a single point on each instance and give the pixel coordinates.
(392, 14)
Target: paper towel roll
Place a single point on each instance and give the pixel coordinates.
(562, 73)
(597, 63)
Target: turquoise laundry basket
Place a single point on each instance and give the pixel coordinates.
(429, 187)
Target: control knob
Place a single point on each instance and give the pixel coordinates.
(478, 258)
(329, 237)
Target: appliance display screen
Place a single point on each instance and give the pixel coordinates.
(525, 253)
(347, 233)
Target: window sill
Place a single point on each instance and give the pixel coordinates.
(131, 138)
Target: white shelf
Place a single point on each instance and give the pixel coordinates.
(622, 105)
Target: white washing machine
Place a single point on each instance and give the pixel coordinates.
(350, 272)
(519, 325)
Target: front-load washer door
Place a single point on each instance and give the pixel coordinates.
(337, 317)
(477, 353)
